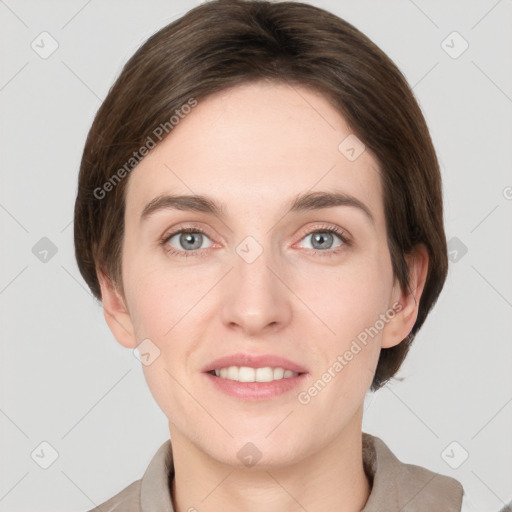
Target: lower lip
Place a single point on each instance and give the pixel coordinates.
(256, 390)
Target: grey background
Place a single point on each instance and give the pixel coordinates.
(66, 381)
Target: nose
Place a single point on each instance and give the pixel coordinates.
(257, 299)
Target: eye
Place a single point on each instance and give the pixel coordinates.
(186, 240)
(323, 238)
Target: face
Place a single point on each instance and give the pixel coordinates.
(259, 277)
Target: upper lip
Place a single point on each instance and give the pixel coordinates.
(254, 361)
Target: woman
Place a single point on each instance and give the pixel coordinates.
(260, 213)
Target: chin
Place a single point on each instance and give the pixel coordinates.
(272, 452)
(255, 455)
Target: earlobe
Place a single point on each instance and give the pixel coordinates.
(407, 301)
(116, 313)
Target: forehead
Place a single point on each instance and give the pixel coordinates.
(256, 145)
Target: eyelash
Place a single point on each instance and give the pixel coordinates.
(198, 252)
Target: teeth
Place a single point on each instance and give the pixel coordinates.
(246, 374)
(263, 374)
(278, 373)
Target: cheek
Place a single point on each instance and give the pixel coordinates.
(349, 298)
(162, 309)
(349, 301)
(347, 352)
(159, 293)
(159, 301)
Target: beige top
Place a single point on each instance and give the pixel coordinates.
(396, 487)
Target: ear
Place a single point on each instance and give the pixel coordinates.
(116, 313)
(405, 303)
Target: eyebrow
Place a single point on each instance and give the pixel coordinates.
(303, 202)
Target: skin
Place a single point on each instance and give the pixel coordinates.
(254, 148)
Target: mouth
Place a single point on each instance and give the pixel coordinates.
(254, 377)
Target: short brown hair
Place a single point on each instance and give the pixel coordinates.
(223, 43)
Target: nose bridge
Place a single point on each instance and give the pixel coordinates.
(257, 296)
(252, 262)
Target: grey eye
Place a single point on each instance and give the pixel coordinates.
(322, 240)
(189, 241)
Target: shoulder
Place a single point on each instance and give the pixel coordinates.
(407, 486)
(128, 500)
(151, 492)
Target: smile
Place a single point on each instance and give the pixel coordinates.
(247, 374)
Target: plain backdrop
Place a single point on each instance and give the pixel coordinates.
(65, 382)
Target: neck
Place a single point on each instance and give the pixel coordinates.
(333, 477)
